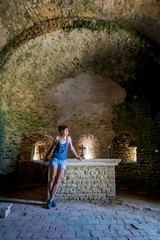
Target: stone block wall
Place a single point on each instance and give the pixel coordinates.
(143, 175)
(87, 183)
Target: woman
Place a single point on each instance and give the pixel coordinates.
(58, 161)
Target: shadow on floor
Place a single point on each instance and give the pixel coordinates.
(30, 192)
(37, 194)
(138, 199)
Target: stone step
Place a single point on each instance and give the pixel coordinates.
(5, 209)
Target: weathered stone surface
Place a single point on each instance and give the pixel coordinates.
(16, 19)
(135, 218)
(95, 185)
(44, 62)
(47, 44)
(5, 209)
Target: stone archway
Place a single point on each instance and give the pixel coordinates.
(28, 144)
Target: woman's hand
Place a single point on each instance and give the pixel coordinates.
(81, 158)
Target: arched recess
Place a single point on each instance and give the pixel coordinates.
(30, 143)
(29, 170)
(124, 147)
(90, 144)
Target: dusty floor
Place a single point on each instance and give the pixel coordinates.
(133, 216)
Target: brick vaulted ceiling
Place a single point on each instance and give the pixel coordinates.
(16, 16)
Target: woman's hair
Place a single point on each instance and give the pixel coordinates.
(62, 127)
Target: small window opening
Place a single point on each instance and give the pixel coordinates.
(39, 150)
(133, 153)
(36, 153)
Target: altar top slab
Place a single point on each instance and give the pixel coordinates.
(87, 162)
(93, 162)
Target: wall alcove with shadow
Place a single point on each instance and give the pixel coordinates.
(124, 147)
(33, 148)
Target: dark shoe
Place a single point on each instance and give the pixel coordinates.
(49, 205)
(54, 204)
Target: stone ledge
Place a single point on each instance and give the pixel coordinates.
(93, 162)
(87, 162)
(5, 209)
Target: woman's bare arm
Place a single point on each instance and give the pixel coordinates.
(73, 149)
(50, 149)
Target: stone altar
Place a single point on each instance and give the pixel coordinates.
(88, 180)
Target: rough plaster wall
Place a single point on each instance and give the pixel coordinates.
(86, 96)
(86, 103)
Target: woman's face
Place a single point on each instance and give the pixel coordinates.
(65, 132)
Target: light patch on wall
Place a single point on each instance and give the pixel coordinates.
(133, 154)
(39, 150)
(35, 155)
(90, 144)
(87, 96)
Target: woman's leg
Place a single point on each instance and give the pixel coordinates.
(53, 172)
(56, 183)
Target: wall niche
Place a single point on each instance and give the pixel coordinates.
(124, 147)
(32, 148)
(90, 144)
